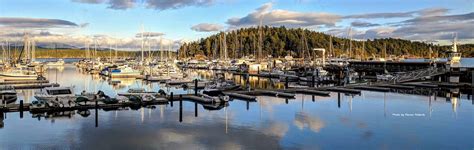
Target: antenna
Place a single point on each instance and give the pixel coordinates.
(260, 40)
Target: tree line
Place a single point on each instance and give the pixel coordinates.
(281, 41)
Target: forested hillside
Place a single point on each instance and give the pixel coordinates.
(280, 41)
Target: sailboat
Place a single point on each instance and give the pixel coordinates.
(58, 62)
(21, 73)
(454, 56)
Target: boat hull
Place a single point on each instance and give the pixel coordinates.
(125, 75)
(7, 77)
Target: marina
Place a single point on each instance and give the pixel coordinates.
(297, 114)
(102, 86)
(212, 74)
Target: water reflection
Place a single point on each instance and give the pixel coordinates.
(304, 120)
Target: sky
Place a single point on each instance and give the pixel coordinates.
(171, 22)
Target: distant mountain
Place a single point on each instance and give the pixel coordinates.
(280, 41)
(55, 45)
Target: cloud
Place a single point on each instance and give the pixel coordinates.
(440, 19)
(151, 4)
(35, 23)
(422, 12)
(83, 25)
(121, 4)
(430, 24)
(207, 27)
(89, 1)
(149, 34)
(434, 30)
(433, 11)
(380, 15)
(175, 4)
(284, 17)
(31, 34)
(363, 24)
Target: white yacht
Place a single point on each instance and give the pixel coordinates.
(60, 62)
(125, 72)
(55, 93)
(57, 96)
(18, 75)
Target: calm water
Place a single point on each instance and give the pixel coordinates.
(372, 120)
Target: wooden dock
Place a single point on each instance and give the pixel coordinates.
(31, 86)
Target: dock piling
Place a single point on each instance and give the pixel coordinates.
(96, 114)
(312, 80)
(171, 98)
(286, 83)
(195, 109)
(195, 87)
(248, 103)
(339, 100)
(472, 78)
(21, 108)
(181, 109)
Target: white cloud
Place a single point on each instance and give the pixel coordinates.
(175, 4)
(151, 4)
(207, 27)
(284, 17)
(149, 34)
(35, 23)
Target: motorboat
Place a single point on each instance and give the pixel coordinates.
(215, 88)
(19, 75)
(125, 72)
(8, 95)
(59, 62)
(53, 93)
(57, 96)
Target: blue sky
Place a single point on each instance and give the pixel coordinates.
(176, 18)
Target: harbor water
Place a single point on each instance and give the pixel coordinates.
(371, 120)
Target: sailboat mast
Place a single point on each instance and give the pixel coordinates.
(350, 42)
(116, 48)
(363, 50)
(33, 50)
(161, 49)
(331, 51)
(143, 55)
(169, 54)
(225, 46)
(260, 40)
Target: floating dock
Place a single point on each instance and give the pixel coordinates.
(240, 96)
(32, 86)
